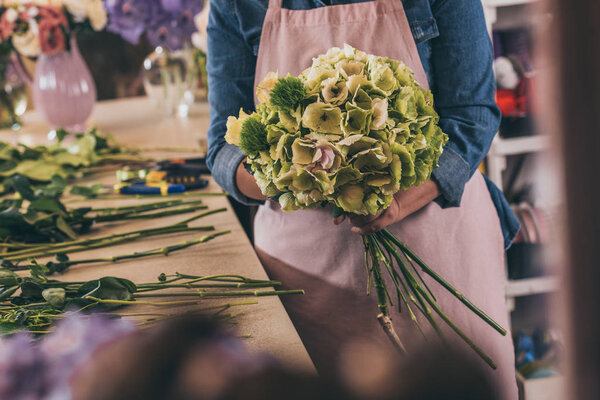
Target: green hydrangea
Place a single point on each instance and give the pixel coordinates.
(350, 131)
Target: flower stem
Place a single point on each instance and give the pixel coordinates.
(445, 284)
(206, 294)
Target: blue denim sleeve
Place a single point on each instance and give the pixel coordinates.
(231, 64)
(463, 87)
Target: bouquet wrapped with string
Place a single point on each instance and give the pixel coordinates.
(351, 131)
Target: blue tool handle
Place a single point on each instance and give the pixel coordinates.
(150, 190)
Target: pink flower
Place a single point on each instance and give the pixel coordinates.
(325, 156)
(52, 27)
(6, 28)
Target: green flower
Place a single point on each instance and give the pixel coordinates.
(287, 93)
(350, 198)
(356, 120)
(303, 151)
(382, 76)
(334, 92)
(253, 136)
(321, 117)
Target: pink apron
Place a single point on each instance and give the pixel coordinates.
(305, 249)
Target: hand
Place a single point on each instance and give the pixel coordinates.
(405, 203)
(247, 184)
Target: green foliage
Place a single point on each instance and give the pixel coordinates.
(253, 137)
(287, 93)
(41, 164)
(89, 192)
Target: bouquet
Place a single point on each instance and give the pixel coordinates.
(351, 131)
(167, 23)
(35, 27)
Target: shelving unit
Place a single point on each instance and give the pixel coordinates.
(533, 389)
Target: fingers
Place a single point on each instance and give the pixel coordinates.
(373, 226)
(339, 219)
(361, 220)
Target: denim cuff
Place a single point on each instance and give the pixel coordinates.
(452, 175)
(224, 171)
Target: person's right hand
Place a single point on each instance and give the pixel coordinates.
(247, 184)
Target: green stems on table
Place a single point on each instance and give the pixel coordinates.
(207, 294)
(163, 250)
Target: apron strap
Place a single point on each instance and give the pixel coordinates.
(275, 4)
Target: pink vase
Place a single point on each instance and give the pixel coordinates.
(64, 92)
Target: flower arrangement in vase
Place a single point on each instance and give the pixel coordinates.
(170, 72)
(64, 92)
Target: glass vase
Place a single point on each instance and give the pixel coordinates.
(13, 97)
(64, 92)
(170, 80)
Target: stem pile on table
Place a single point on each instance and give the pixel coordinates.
(35, 302)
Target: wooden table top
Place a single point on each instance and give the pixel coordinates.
(134, 122)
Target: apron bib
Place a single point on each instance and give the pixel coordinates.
(304, 249)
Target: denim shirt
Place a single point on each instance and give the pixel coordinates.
(456, 53)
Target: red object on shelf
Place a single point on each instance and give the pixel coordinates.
(518, 102)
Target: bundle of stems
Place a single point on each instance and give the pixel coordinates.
(35, 303)
(384, 252)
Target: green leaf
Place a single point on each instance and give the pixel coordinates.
(65, 228)
(61, 134)
(56, 186)
(22, 186)
(8, 278)
(39, 170)
(89, 192)
(47, 204)
(7, 291)
(31, 290)
(108, 288)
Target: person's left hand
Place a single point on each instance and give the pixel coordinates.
(405, 203)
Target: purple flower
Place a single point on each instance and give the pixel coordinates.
(129, 18)
(21, 369)
(32, 370)
(165, 32)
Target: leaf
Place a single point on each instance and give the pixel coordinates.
(12, 222)
(56, 186)
(38, 272)
(54, 296)
(8, 291)
(61, 134)
(88, 192)
(108, 288)
(65, 228)
(47, 204)
(39, 170)
(31, 290)
(22, 186)
(8, 278)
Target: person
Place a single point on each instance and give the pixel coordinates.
(459, 222)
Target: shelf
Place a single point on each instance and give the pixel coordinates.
(529, 286)
(519, 145)
(551, 388)
(506, 3)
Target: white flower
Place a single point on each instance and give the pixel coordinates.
(11, 15)
(380, 113)
(27, 44)
(97, 14)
